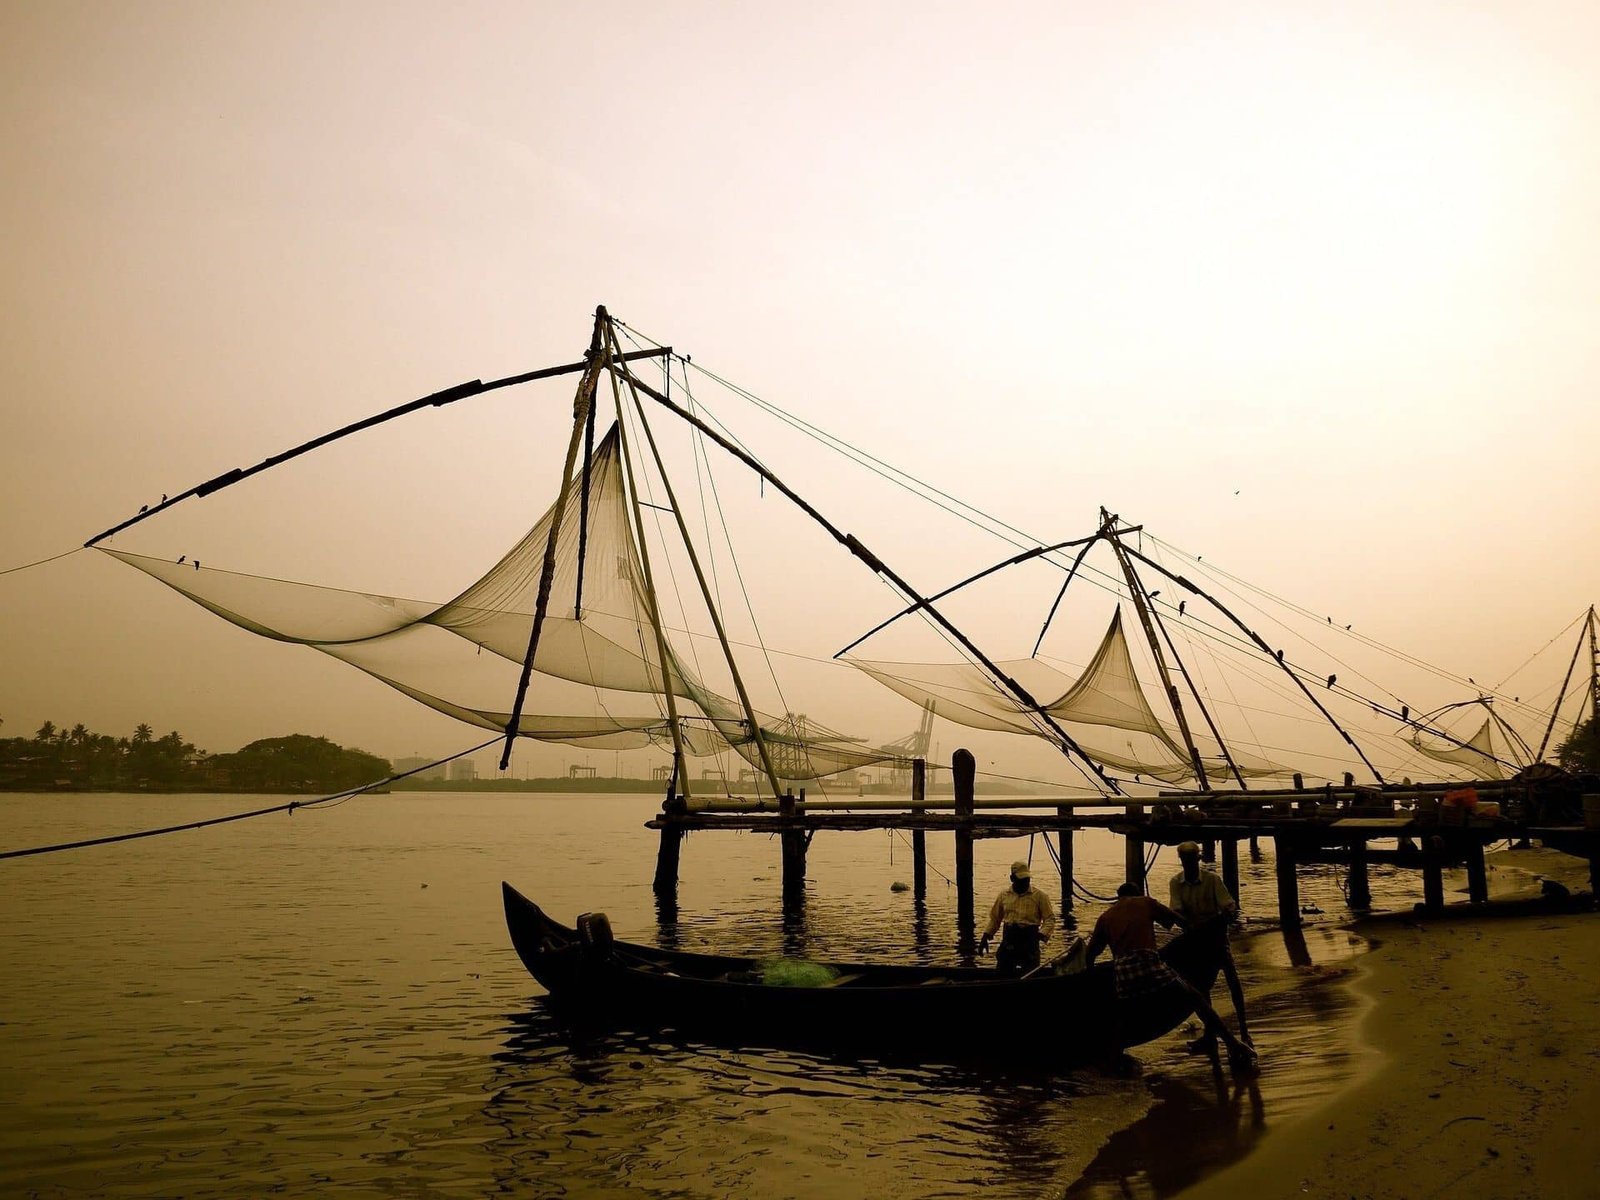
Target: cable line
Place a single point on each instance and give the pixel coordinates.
(324, 801)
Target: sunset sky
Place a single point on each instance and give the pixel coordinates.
(1310, 290)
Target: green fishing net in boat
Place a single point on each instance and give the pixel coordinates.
(796, 972)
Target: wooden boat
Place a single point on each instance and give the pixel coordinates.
(937, 1012)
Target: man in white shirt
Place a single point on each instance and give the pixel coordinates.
(1029, 920)
(1203, 903)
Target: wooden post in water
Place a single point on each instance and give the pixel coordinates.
(1359, 891)
(666, 881)
(1064, 845)
(1288, 882)
(1133, 851)
(1477, 873)
(919, 839)
(793, 843)
(1433, 875)
(963, 772)
(1230, 867)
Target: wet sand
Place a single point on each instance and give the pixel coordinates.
(1483, 1080)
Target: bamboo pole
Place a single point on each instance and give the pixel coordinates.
(705, 588)
(580, 415)
(680, 759)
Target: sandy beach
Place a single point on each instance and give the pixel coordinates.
(1484, 1076)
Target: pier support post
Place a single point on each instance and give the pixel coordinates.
(1433, 875)
(793, 843)
(964, 772)
(1255, 849)
(1477, 873)
(1133, 851)
(919, 838)
(1360, 887)
(666, 881)
(1064, 845)
(1230, 867)
(1288, 882)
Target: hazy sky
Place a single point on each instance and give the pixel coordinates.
(1312, 290)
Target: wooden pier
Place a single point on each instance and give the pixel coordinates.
(1434, 827)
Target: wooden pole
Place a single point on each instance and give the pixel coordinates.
(1140, 606)
(1477, 873)
(1064, 846)
(793, 843)
(1360, 887)
(547, 569)
(1433, 875)
(1133, 851)
(679, 759)
(1230, 867)
(667, 860)
(963, 772)
(700, 578)
(1288, 882)
(919, 839)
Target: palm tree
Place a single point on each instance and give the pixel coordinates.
(142, 735)
(47, 732)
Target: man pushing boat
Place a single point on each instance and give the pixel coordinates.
(1140, 972)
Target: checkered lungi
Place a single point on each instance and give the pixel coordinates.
(1143, 973)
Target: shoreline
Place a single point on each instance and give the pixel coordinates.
(1484, 1040)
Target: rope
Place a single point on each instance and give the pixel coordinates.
(325, 801)
(40, 562)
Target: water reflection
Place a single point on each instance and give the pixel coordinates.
(1214, 1126)
(595, 1112)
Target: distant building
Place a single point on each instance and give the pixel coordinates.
(463, 770)
(434, 774)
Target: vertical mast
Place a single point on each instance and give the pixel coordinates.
(1594, 669)
(1594, 683)
(1140, 604)
(680, 761)
(581, 405)
(705, 590)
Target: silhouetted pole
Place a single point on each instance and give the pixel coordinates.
(1360, 887)
(1230, 866)
(1133, 851)
(666, 882)
(1433, 875)
(964, 772)
(1477, 873)
(793, 842)
(919, 838)
(1288, 882)
(1064, 840)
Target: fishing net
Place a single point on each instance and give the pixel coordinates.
(1477, 755)
(598, 652)
(1107, 695)
(796, 972)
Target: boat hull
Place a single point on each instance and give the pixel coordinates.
(931, 1012)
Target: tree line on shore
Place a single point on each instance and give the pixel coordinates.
(57, 758)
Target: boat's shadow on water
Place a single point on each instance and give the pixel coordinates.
(759, 1114)
(546, 1032)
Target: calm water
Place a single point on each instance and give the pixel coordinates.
(329, 1001)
